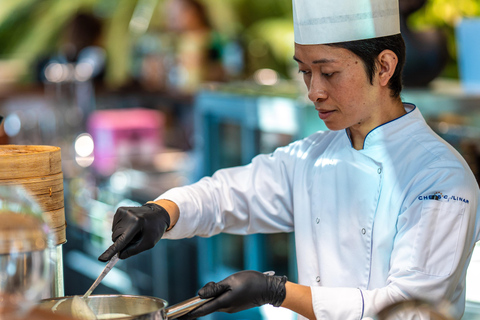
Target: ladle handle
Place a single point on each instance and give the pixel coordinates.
(106, 270)
(182, 308)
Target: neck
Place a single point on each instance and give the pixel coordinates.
(387, 112)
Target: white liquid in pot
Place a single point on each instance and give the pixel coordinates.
(78, 306)
(111, 316)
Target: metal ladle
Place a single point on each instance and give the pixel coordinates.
(102, 275)
(80, 308)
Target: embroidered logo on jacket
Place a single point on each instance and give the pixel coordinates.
(440, 196)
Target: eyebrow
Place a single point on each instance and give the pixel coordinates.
(316, 61)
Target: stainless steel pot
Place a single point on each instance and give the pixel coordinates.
(136, 307)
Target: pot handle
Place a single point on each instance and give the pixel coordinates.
(182, 308)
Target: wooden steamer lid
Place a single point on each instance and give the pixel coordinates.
(29, 161)
(39, 170)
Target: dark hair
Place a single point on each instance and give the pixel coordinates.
(369, 49)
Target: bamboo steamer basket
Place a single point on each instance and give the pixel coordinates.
(39, 170)
(22, 232)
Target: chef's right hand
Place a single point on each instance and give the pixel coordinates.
(136, 229)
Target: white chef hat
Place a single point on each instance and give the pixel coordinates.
(330, 21)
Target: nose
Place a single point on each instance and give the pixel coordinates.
(316, 91)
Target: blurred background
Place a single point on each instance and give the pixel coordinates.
(146, 95)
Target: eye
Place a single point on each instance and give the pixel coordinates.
(328, 75)
(303, 71)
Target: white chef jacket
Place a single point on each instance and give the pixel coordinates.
(393, 221)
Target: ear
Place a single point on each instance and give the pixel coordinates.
(387, 63)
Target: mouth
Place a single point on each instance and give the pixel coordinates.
(324, 114)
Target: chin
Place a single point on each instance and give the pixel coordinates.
(334, 127)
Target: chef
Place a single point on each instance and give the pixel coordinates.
(383, 210)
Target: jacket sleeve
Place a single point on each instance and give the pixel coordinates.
(256, 198)
(436, 233)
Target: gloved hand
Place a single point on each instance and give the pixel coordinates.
(240, 291)
(136, 229)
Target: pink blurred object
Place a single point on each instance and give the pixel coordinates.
(123, 137)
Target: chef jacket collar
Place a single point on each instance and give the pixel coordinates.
(391, 129)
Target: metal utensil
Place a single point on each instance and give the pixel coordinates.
(80, 308)
(185, 307)
(102, 275)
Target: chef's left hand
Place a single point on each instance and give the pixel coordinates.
(240, 291)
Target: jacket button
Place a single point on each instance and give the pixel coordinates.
(318, 220)
(364, 231)
(317, 279)
(379, 170)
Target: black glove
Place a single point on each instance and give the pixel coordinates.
(136, 229)
(240, 291)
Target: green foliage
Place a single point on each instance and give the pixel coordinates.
(33, 29)
(118, 43)
(47, 23)
(270, 44)
(253, 11)
(445, 14)
(14, 23)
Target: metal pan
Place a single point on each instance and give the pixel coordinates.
(126, 307)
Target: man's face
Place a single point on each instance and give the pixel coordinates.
(339, 87)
